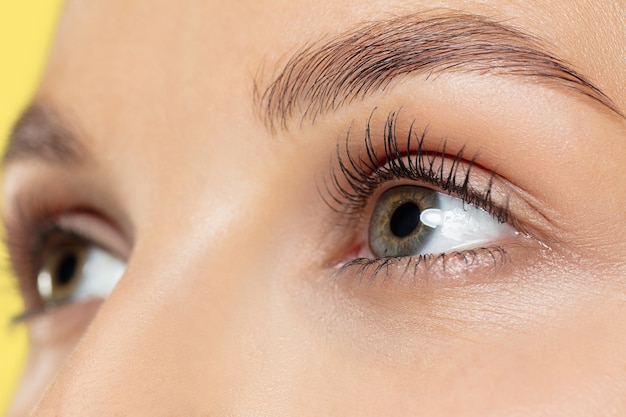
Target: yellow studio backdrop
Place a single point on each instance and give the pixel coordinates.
(26, 29)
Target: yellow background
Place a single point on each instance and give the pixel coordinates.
(26, 27)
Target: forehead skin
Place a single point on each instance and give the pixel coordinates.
(133, 71)
(173, 50)
(163, 94)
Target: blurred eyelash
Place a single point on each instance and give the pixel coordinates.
(35, 224)
(27, 234)
(362, 176)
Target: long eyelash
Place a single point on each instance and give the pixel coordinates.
(361, 175)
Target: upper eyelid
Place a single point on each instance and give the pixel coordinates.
(360, 176)
(98, 230)
(35, 219)
(38, 193)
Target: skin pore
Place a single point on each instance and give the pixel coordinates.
(232, 154)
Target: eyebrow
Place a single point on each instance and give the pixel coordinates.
(42, 134)
(322, 77)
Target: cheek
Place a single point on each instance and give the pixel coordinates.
(52, 338)
(540, 348)
(235, 315)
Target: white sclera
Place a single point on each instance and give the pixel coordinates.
(101, 273)
(459, 226)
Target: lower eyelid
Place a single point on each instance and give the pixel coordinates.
(480, 266)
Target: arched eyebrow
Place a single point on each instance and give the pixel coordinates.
(325, 76)
(42, 134)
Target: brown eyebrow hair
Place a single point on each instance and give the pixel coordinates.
(41, 133)
(324, 76)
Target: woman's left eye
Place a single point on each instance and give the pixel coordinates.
(77, 271)
(410, 220)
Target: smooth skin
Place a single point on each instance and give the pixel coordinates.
(229, 305)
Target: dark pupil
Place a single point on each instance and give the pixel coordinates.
(405, 219)
(66, 268)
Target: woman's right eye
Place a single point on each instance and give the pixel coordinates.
(77, 271)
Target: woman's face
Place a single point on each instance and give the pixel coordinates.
(325, 208)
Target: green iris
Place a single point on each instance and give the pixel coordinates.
(395, 227)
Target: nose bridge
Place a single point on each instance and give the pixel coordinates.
(193, 302)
